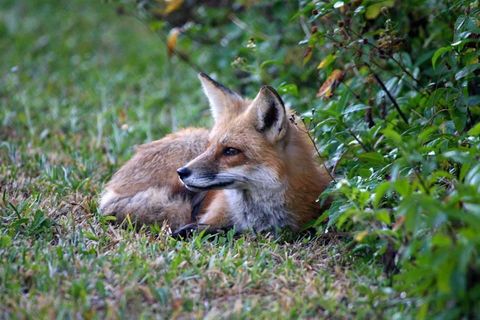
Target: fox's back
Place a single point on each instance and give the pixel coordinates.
(147, 186)
(155, 163)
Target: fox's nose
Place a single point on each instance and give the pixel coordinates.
(184, 172)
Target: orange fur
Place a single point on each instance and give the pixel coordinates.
(255, 169)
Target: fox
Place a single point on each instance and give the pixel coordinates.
(255, 169)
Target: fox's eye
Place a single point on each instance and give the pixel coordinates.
(229, 151)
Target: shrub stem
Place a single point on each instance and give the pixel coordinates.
(384, 88)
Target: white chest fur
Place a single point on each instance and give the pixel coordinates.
(259, 208)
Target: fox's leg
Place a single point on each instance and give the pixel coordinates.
(153, 205)
(216, 217)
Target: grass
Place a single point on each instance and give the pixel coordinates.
(79, 86)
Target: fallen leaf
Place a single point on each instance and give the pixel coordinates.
(361, 235)
(374, 10)
(172, 5)
(172, 40)
(307, 55)
(147, 293)
(398, 224)
(328, 87)
(326, 61)
(122, 116)
(177, 303)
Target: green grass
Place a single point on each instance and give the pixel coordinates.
(79, 86)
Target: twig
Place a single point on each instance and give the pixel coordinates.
(364, 147)
(389, 55)
(334, 235)
(352, 92)
(409, 83)
(338, 160)
(184, 57)
(404, 69)
(245, 26)
(422, 182)
(181, 55)
(380, 82)
(318, 151)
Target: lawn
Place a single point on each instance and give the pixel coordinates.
(80, 85)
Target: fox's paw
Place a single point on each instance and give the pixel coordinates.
(188, 230)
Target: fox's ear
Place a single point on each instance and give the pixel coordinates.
(269, 114)
(219, 96)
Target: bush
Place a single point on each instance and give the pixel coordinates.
(390, 91)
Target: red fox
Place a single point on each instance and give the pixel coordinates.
(254, 170)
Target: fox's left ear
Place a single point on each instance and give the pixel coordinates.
(269, 113)
(220, 97)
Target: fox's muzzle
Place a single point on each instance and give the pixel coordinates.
(195, 182)
(184, 172)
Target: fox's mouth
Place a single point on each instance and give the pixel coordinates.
(219, 185)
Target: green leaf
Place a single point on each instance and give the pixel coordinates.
(109, 218)
(403, 187)
(288, 88)
(444, 277)
(91, 236)
(464, 170)
(266, 63)
(458, 113)
(441, 240)
(383, 216)
(374, 10)
(475, 131)
(473, 101)
(423, 311)
(380, 191)
(473, 177)
(426, 134)
(355, 108)
(5, 241)
(440, 52)
(466, 71)
(373, 158)
(392, 135)
(326, 61)
(359, 10)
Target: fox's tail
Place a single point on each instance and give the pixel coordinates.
(147, 188)
(154, 205)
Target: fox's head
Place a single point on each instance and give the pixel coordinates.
(244, 144)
